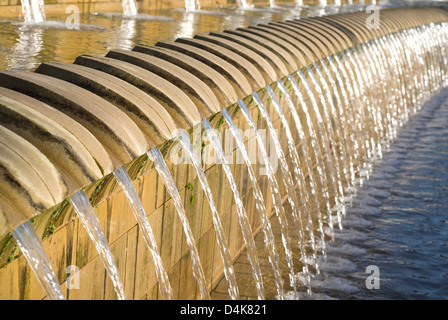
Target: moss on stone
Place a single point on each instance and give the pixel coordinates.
(141, 167)
(50, 229)
(12, 256)
(164, 149)
(96, 193)
(5, 246)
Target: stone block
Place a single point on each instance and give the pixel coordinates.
(9, 278)
(172, 236)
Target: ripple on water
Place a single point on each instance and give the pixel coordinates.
(397, 221)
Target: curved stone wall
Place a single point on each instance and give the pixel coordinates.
(66, 127)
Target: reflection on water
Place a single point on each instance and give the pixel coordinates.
(186, 26)
(25, 47)
(124, 37)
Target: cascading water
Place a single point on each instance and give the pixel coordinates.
(381, 55)
(134, 201)
(298, 174)
(403, 79)
(31, 247)
(349, 96)
(322, 170)
(242, 216)
(369, 119)
(348, 115)
(275, 191)
(156, 157)
(341, 117)
(356, 87)
(259, 200)
(192, 5)
(329, 144)
(368, 74)
(242, 4)
(288, 183)
(384, 123)
(89, 220)
(33, 11)
(220, 238)
(129, 8)
(307, 154)
(359, 119)
(322, 134)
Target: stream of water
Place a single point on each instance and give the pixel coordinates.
(31, 247)
(259, 204)
(229, 273)
(134, 201)
(241, 211)
(161, 167)
(89, 220)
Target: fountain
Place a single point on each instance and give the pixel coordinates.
(192, 5)
(242, 215)
(93, 227)
(266, 225)
(242, 4)
(155, 156)
(275, 191)
(33, 11)
(134, 200)
(220, 238)
(88, 153)
(288, 181)
(319, 166)
(30, 245)
(129, 8)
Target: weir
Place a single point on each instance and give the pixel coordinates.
(215, 167)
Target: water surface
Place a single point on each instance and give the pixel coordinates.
(25, 46)
(398, 221)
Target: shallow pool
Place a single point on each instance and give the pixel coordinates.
(25, 46)
(395, 239)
